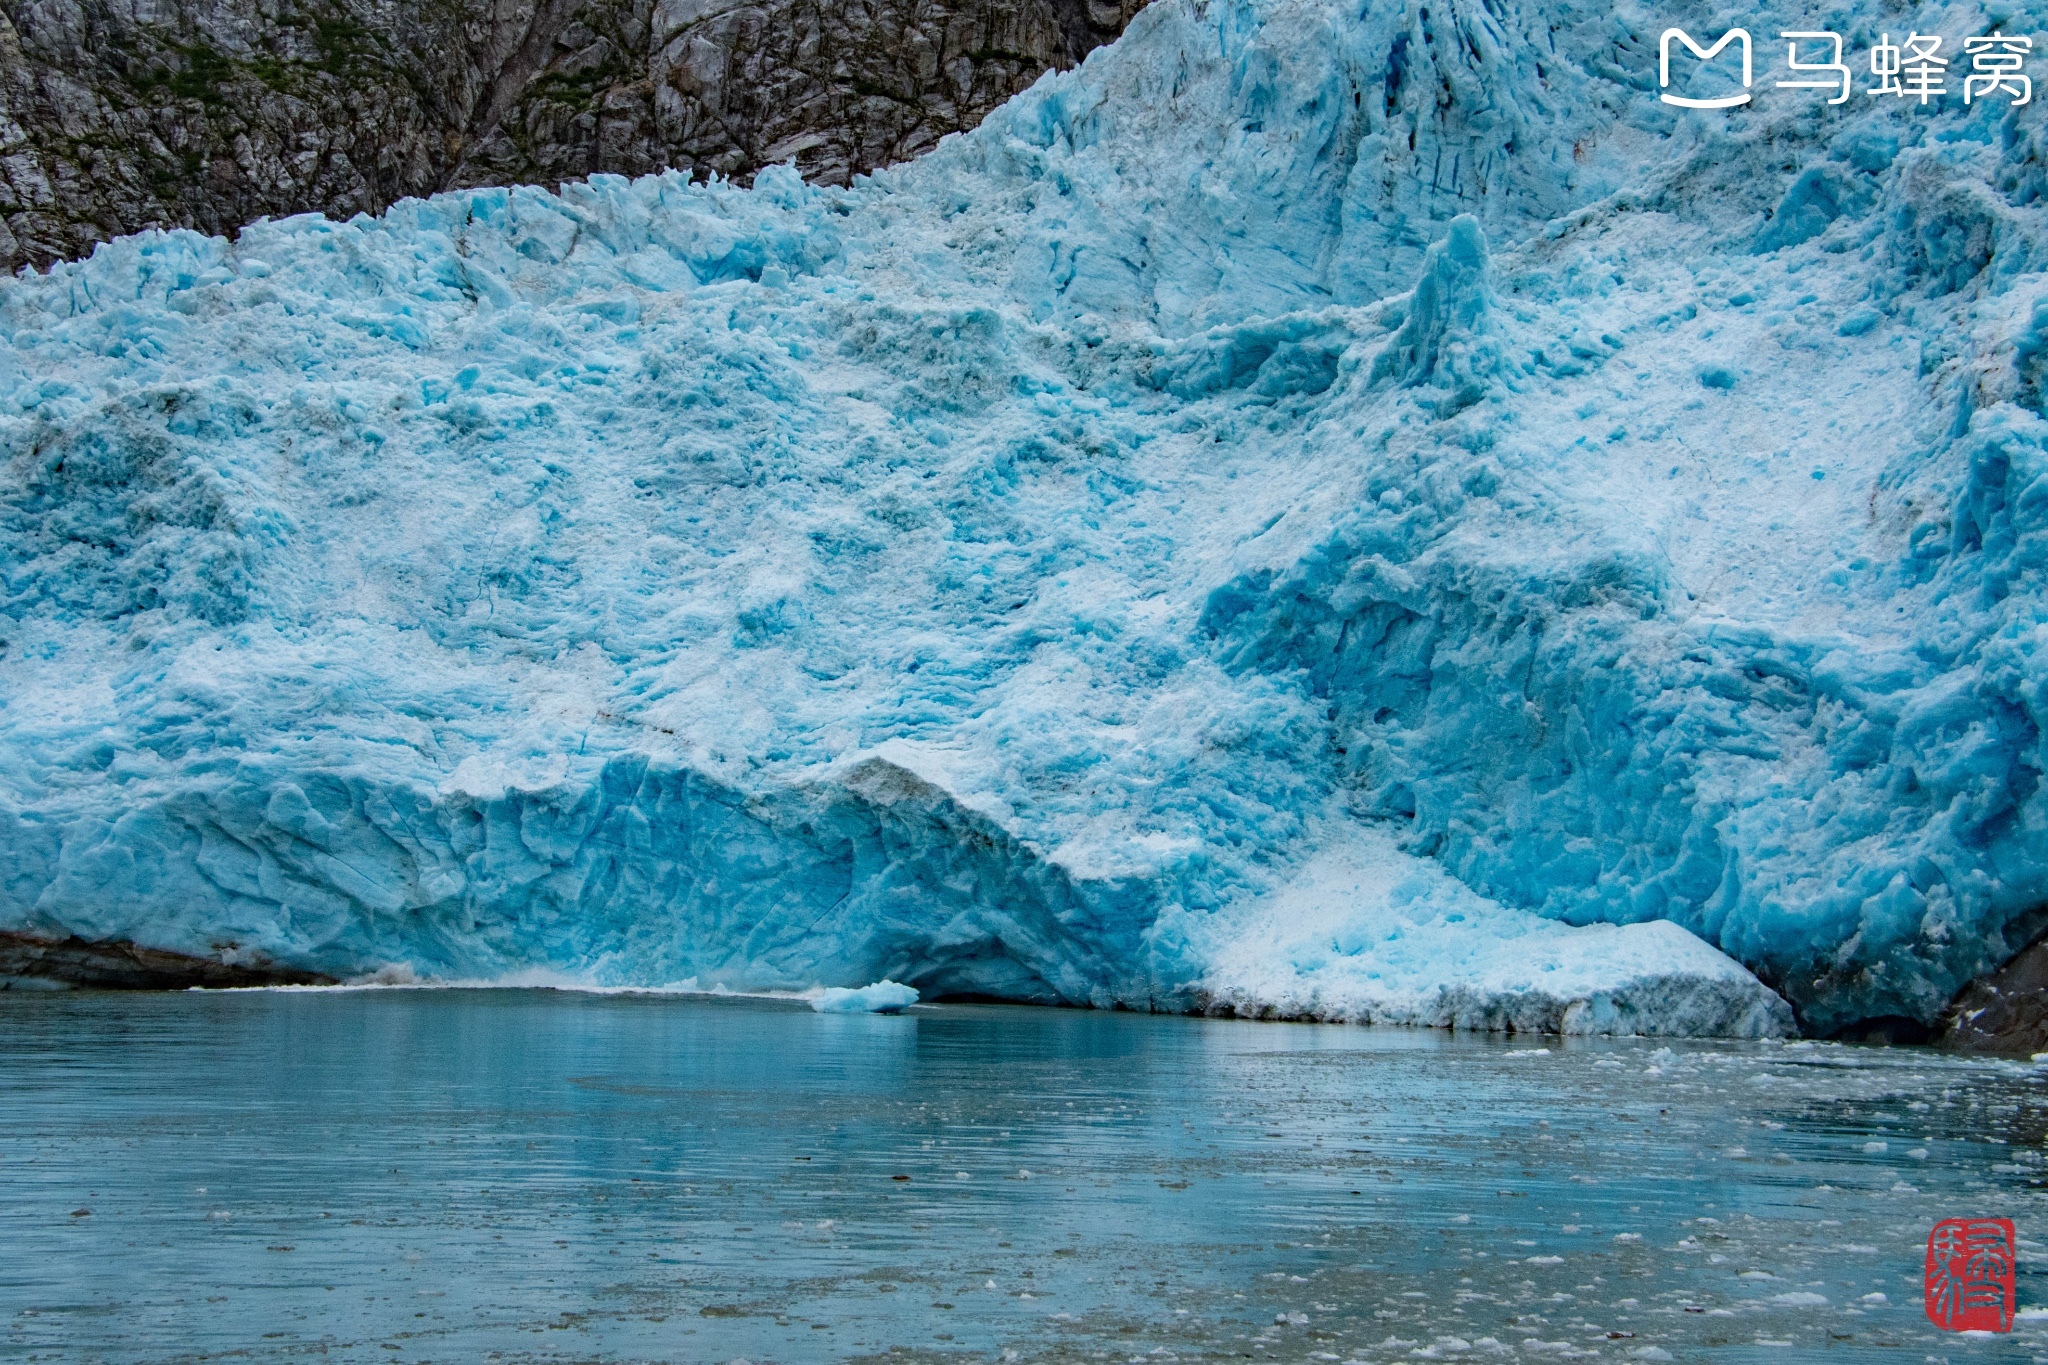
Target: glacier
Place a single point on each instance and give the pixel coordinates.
(1354, 511)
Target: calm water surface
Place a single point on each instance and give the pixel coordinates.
(410, 1175)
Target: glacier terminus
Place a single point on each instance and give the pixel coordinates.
(1338, 510)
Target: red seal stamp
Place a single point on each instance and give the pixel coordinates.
(1969, 1274)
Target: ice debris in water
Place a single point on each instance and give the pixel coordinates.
(1312, 512)
(883, 997)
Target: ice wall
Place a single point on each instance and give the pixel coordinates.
(1300, 438)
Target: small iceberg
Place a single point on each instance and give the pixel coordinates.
(884, 997)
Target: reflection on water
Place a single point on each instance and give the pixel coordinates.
(538, 1175)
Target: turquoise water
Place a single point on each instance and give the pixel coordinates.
(459, 1175)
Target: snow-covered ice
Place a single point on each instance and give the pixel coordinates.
(1366, 514)
(1367, 933)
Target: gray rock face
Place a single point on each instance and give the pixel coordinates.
(116, 115)
(32, 963)
(2006, 1011)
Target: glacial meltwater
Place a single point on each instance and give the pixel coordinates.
(540, 1175)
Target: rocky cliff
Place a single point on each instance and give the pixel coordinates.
(116, 115)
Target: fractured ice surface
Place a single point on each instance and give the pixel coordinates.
(1151, 550)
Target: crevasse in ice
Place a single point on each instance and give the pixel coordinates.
(1354, 511)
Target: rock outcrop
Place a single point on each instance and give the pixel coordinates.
(27, 960)
(2004, 1011)
(115, 118)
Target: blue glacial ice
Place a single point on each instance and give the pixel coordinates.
(1368, 515)
(882, 997)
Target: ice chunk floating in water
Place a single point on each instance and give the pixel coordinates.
(884, 997)
(1317, 511)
